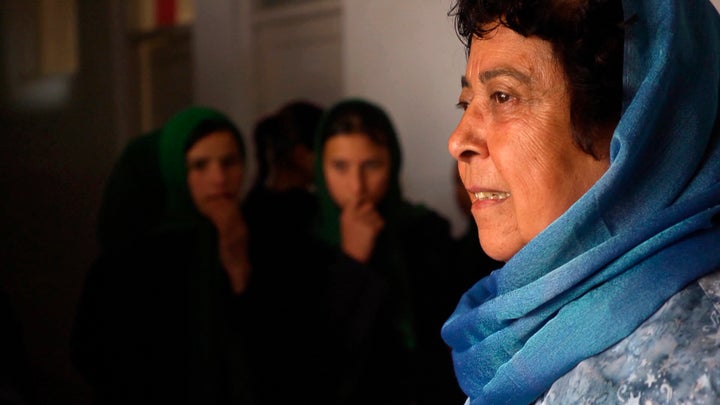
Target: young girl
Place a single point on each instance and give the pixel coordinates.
(388, 262)
(156, 321)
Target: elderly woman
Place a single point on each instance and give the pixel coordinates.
(590, 147)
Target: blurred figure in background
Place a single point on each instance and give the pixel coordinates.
(290, 310)
(198, 309)
(156, 320)
(388, 260)
(281, 198)
(133, 199)
(17, 386)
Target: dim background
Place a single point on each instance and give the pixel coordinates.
(79, 78)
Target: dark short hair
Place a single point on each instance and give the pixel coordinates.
(265, 128)
(298, 119)
(295, 124)
(587, 39)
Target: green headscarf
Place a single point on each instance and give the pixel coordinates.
(177, 135)
(207, 331)
(371, 118)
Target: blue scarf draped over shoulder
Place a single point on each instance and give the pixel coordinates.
(644, 231)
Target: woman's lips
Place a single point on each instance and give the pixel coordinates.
(220, 196)
(490, 195)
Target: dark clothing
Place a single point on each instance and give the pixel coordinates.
(158, 321)
(289, 299)
(156, 326)
(388, 319)
(271, 215)
(153, 325)
(16, 384)
(133, 200)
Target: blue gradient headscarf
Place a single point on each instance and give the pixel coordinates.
(644, 231)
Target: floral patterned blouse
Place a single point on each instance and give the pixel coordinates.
(672, 358)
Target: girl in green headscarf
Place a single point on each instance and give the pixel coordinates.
(201, 308)
(157, 319)
(389, 256)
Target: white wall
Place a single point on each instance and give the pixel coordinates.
(404, 55)
(221, 48)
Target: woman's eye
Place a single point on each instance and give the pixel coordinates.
(373, 164)
(230, 161)
(197, 165)
(500, 97)
(339, 166)
(462, 105)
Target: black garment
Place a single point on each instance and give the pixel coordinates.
(133, 199)
(279, 214)
(16, 384)
(153, 325)
(387, 323)
(161, 325)
(289, 298)
(290, 343)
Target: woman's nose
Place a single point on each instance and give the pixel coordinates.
(468, 138)
(358, 182)
(217, 173)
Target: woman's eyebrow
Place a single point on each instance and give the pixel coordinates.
(517, 75)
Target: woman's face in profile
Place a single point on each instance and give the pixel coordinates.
(215, 173)
(514, 144)
(356, 169)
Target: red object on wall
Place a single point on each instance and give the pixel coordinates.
(165, 13)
